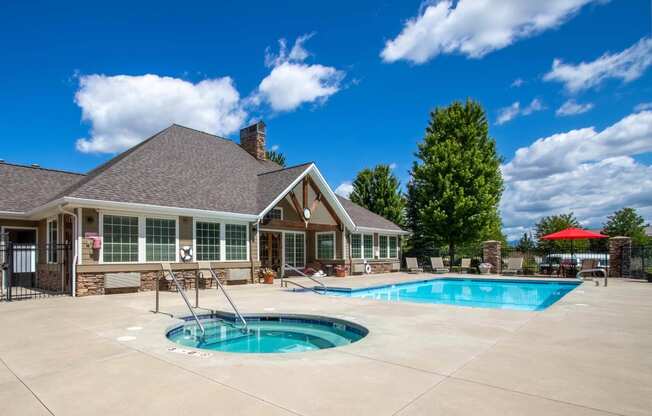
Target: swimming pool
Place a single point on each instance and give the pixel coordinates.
(481, 293)
(267, 334)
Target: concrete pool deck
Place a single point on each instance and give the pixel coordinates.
(588, 354)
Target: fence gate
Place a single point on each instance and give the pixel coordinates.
(32, 271)
(641, 262)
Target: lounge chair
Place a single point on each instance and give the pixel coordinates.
(590, 267)
(514, 265)
(465, 266)
(437, 265)
(412, 265)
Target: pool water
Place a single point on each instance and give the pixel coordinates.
(268, 334)
(481, 293)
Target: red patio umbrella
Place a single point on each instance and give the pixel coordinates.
(573, 234)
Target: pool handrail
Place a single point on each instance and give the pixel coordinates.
(204, 266)
(167, 268)
(284, 282)
(597, 283)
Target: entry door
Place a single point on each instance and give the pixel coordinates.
(270, 250)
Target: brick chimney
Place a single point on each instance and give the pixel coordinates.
(252, 139)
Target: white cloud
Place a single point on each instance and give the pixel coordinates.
(643, 107)
(475, 27)
(509, 113)
(275, 147)
(587, 172)
(571, 107)
(517, 83)
(392, 166)
(124, 109)
(292, 82)
(344, 189)
(627, 65)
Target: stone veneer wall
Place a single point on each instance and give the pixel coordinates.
(49, 277)
(93, 283)
(491, 254)
(620, 256)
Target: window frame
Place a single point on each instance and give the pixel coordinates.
(332, 233)
(381, 246)
(52, 256)
(275, 209)
(363, 246)
(247, 242)
(285, 260)
(221, 243)
(142, 240)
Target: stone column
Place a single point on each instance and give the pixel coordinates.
(491, 254)
(620, 256)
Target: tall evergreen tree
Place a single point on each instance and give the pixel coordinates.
(456, 182)
(377, 189)
(276, 156)
(626, 222)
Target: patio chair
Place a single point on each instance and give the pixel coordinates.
(437, 265)
(412, 265)
(465, 266)
(514, 265)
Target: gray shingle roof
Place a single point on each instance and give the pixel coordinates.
(362, 217)
(178, 167)
(26, 187)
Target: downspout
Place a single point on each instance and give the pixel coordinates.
(75, 253)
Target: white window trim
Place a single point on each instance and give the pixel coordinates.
(380, 246)
(277, 209)
(223, 241)
(362, 246)
(317, 234)
(390, 255)
(47, 239)
(194, 237)
(4, 229)
(142, 240)
(305, 256)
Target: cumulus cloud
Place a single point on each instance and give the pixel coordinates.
(293, 82)
(475, 27)
(124, 109)
(344, 189)
(587, 172)
(627, 66)
(643, 107)
(514, 110)
(571, 107)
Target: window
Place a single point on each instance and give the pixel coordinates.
(325, 245)
(120, 239)
(274, 214)
(294, 249)
(236, 241)
(52, 241)
(160, 239)
(207, 241)
(368, 246)
(393, 247)
(356, 246)
(382, 243)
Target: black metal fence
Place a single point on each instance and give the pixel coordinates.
(32, 271)
(641, 262)
(553, 262)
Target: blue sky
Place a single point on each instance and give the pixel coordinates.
(354, 91)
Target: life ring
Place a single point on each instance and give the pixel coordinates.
(367, 268)
(185, 253)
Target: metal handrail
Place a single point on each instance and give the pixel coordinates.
(226, 294)
(597, 283)
(287, 266)
(185, 298)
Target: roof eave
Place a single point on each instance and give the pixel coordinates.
(382, 230)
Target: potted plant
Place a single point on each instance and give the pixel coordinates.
(268, 276)
(340, 271)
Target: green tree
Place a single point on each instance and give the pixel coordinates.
(525, 244)
(276, 156)
(377, 189)
(456, 182)
(626, 222)
(552, 224)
